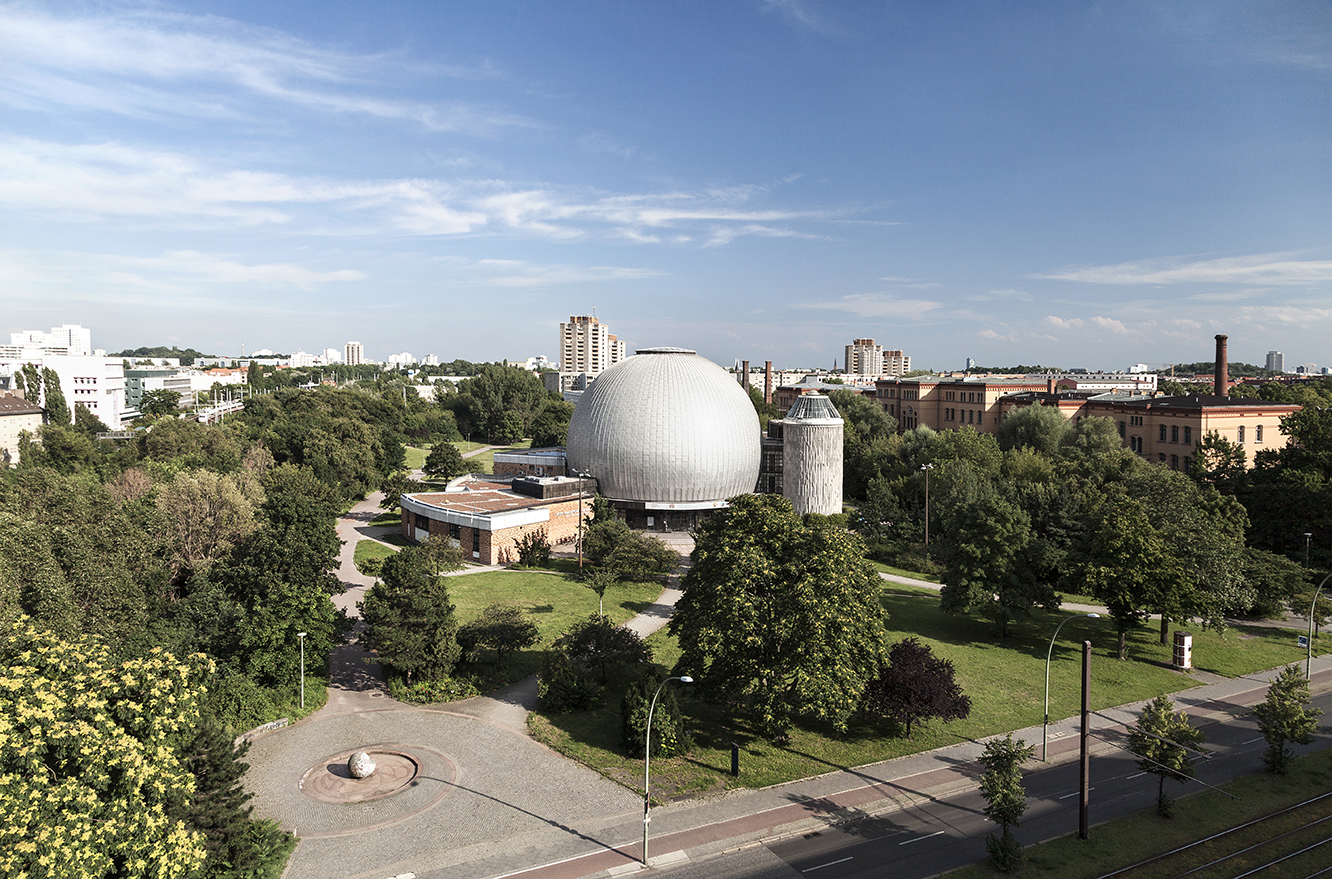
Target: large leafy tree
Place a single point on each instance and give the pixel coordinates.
(1163, 738)
(915, 686)
(159, 402)
(1043, 428)
(1124, 562)
(57, 409)
(782, 616)
(1286, 718)
(445, 462)
(409, 619)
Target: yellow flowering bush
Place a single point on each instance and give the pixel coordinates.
(91, 783)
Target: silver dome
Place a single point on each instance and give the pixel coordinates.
(666, 426)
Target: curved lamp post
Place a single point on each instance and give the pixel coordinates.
(1308, 659)
(647, 755)
(1045, 725)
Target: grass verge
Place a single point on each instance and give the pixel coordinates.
(416, 457)
(902, 572)
(369, 555)
(485, 462)
(1003, 676)
(1126, 841)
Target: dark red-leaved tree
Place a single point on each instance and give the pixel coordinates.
(915, 685)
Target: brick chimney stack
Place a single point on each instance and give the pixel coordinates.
(767, 381)
(1222, 388)
(1050, 386)
(744, 380)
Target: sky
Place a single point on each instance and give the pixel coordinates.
(1066, 183)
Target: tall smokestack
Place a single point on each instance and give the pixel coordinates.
(1222, 388)
(767, 381)
(744, 380)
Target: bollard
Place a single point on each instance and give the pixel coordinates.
(735, 760)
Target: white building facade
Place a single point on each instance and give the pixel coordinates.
(587, 345)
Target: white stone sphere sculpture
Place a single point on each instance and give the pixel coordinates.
(360, 765)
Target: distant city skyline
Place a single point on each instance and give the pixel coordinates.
(1084, 185)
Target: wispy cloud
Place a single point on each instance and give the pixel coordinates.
(877, 305)
(1271, 268)
(134, 63)
(94, 183)
(798, 12)
(1109, 323)
(1062, 323)
(171, 272)
(518, 273)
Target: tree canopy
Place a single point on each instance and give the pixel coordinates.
(783, 617)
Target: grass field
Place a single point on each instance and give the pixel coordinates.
(485, 462)
(1003, 677)
(554, 602)
(902, 572)
(1129, 840)
(416, 457)
(372, 552)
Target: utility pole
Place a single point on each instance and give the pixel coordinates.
(1084, 783)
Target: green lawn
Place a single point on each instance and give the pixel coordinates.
(554, 602)
(369, 554)
(416, 457)
(388, 517)
(902, 572)
(1127, 841)
(485, 462)
(1004, 678)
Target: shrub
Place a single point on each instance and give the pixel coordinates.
(670, 737)
(239, 703)
(564, 687)
(533, 549)
(424, 692)
(502, 628)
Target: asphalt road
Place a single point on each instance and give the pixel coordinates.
(950, 832)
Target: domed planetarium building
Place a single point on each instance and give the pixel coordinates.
(668, 435)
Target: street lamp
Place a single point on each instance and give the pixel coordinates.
(301, 637)
(926, 468)
(1308, 659)
(647, 755)
(1307, 535)
(581, 476)
(1046, 724)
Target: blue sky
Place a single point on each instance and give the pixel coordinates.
(1074, 184)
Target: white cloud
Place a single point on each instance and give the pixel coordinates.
(1069, 324)
(517, 273)
(134, 64)
(94, 183)
(1272, 268)
(1108, 323)
(876, 305)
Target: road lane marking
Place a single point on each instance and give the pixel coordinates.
(1251, 741)
(1075, 793)
(829, 864)
(1139, 775)
(919, 838)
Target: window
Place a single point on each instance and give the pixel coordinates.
(1174, 433)
(421, 522)
(971, 416)
(1239, 434)
(1162, 438)
(1174, 462)
(1258, 433)
(980, 417)
(1135, 444)
(1188, 435)
(1188, 464)
(1121, 430)
(1160, 457)
(455, 532)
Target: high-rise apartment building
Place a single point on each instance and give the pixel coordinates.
(70, 340)
(586, 345)
(865, 357)
(1276, 361)
(353, 354)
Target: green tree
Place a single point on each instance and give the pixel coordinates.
(1286, 718)
(551, 426)
(1093, 436)
(598, 645)
(784, 617)
(91, 783)
(1005, 797)
(1163, 739)
(1043, 428)
(1218, 461)
(445, 462)
(670, 735)
(86, 423)
(160, 402)
(915, 685)
(599, 580)
(57, 409)
(533, 548)
(985, 551)
(409, 620)
(1125, 564)
(395, 486)
(502, 628)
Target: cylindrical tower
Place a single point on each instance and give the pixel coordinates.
(1222, 387)
(812, 456)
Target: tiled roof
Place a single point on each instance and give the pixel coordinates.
(13, 404)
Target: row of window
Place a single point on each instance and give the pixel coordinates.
(1174, 433)
(964, 396)
(964, 416)
(1174, 461)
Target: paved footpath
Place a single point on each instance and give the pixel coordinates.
(489, 801)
